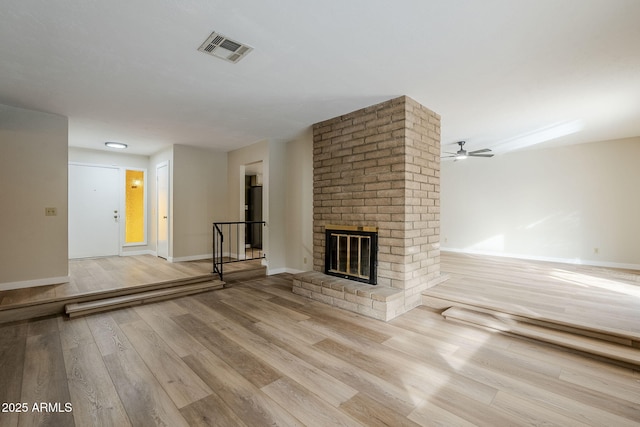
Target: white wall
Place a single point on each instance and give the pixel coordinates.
(33, 176)
(557, 204)
(298, 210)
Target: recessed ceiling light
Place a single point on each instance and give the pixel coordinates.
(118, 145)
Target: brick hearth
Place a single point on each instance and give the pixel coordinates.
(379, 167)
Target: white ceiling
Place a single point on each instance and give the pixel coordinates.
(497, 71)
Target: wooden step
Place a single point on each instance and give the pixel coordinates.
(440, 301)
(56, 305)
(234, 275)
(520, 327)
(111, 303)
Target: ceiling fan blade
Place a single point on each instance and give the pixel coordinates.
(448, 157)
(448, 152)
(480, 155)
(484, 150)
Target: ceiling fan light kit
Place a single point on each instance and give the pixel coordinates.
(462, 154)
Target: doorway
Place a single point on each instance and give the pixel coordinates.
(94, 214)
(253, 204)
(162, 177)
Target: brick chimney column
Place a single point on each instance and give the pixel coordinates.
(380, 166)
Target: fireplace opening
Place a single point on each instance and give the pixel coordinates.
(351, 253)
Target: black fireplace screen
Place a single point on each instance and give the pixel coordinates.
(351, 252)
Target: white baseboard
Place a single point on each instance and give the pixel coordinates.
(271, 272)
(33, 283)
(190, 258)
(134, 253)
(576, 261)
(294, 271)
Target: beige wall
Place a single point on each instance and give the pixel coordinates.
(199, 198)
(33, 175)
(101, 157)
(556, 204)
(198, 195)
(298, 211)
(273, 156)
(237, 159)
(277, 193)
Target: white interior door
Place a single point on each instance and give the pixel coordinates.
(94, 228)
(162, 174)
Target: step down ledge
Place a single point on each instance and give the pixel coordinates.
(581, 343)
(100, 305)
(437, 302)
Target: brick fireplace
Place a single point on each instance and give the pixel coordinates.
(378, 167)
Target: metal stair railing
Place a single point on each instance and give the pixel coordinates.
(230, 243)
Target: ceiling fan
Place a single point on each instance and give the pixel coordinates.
(462, 154)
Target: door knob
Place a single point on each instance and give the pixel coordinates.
(164, 217)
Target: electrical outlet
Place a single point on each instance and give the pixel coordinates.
(305, 260)
(50, 211)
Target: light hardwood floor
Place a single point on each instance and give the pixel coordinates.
(255, 354)
(107, 273)
(600, 298)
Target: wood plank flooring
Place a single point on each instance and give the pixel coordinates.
(102, 274)
(600, 298)
(256, 354)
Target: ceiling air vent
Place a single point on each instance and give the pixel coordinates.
(224, 48)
